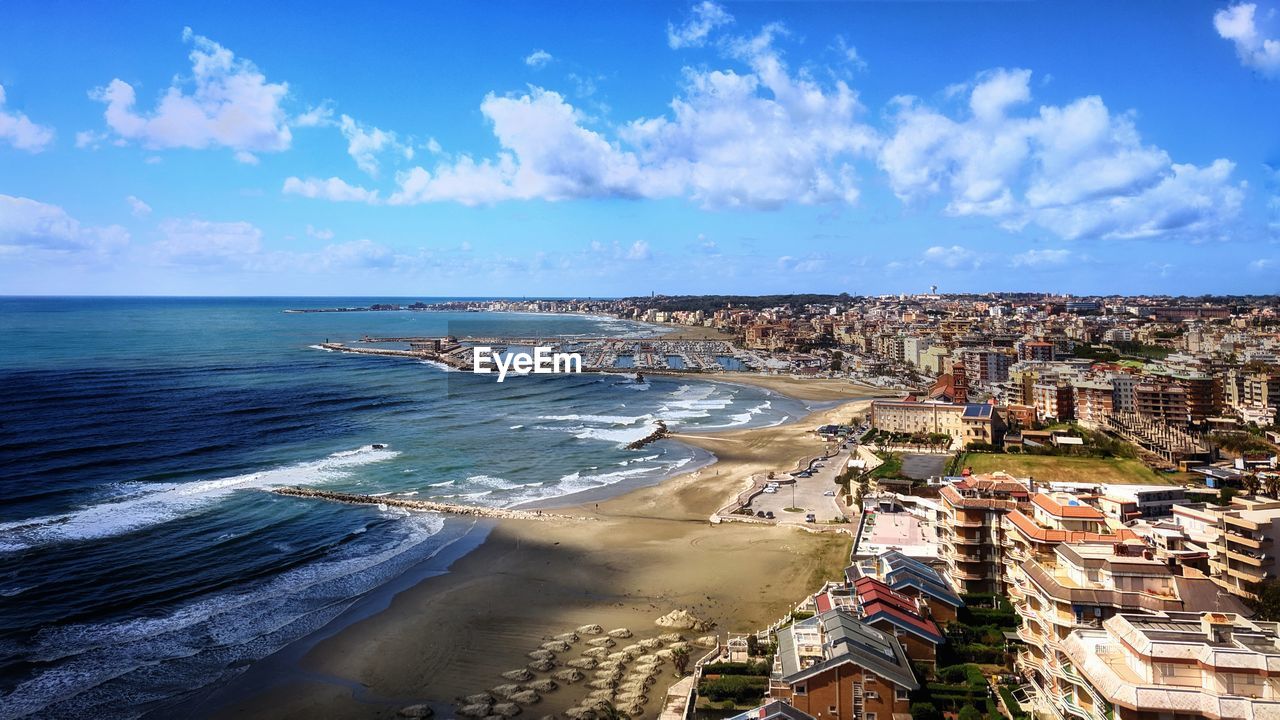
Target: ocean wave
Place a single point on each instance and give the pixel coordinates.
(143, 505)
(601, 419)
(439, 365)
(114, 669)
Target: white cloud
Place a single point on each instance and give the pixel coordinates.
(639, 250)
(364, 144)
(334, 189)
(31, 228)
(1040, 258)
(318, 116)
(759, 139)
(808, 264)
(1255, 50)
(204, 243)
(1076, 170)
(703, 18)
(18, 130)
(227, 102)
(538, 58)
(319, 233)
(953, 257)
(137, 207)
(363, 253)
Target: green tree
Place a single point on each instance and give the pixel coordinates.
(680, 658)
(1268, 603)
(969, 712)
(925, 711)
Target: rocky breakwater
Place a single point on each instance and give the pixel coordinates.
(423, 505)
(660, 431)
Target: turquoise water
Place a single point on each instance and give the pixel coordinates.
(142, 558)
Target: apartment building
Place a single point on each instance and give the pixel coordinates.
(965, 423)
(1180, 665)
(1037, 350)
(1083, 585)
(1054, 400)
(1164, 402)
(1094, 400)
(834, 666)
(1034, 531)
(1243, 553)
(987, 366)
(972, 531)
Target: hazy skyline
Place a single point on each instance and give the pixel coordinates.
(614, 149)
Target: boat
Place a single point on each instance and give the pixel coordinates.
(639, 378)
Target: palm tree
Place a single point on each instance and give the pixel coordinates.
(1251, 484)
(1272, 485)
(680, 658)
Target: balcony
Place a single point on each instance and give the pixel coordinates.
(1246, 558)
(1250, 575)
(1233, 537)
(1029, 636)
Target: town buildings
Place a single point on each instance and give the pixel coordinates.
(832, 665)
(965, 423)
(1211, 666)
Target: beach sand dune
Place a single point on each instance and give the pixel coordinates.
(651, 552)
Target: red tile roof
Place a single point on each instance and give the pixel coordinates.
(925, 628)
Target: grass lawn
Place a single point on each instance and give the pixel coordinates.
(1068, 469)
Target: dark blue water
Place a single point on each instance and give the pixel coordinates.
(141, 556)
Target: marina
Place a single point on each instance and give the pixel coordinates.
(599, 354)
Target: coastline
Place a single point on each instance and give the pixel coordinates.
(651, 551)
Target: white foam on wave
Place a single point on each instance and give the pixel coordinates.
(515, 427)
(439, 365)
(95, 666)
(599, 419)
(146, 504)
(321, 347)
(743, 418)
(690, 402)
(577, 482)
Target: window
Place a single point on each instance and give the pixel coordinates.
(869, 716)
(800, 689)
(900, 694)
(873, 695)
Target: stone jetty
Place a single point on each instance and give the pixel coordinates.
(658, 433)
(423, 505)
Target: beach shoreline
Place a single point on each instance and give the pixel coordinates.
(651, 550)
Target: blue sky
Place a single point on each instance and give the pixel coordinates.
(603, 148)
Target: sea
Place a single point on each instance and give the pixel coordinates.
(143, 560)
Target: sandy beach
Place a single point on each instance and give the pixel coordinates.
(644, 554)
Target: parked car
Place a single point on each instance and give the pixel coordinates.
(810, 518)
(768, 514)
(770, 490)
(830, 493)
(759, 513)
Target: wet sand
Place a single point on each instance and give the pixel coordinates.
(650, 551)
